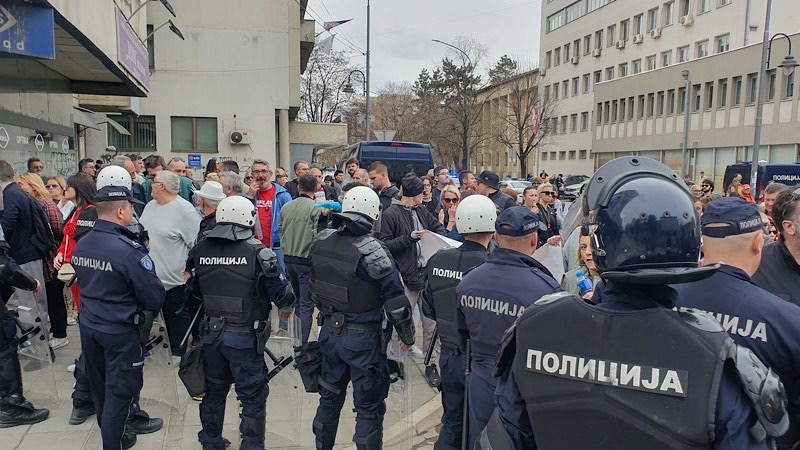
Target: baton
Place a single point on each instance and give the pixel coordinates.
(191, 325)
(280, 363)
(429, 351)
(465, 427)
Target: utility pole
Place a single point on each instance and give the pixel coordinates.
(685, 144)
(762, 85)
(366, 126)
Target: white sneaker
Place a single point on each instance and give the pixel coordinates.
(416, 352)
(58, 343)
(71, 321)
(71, 368)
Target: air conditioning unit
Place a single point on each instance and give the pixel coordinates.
(574, 60)
(542, 72)
(638, 38)
(596, 52)
(620, 45)
(686, 20)
(239, 137)
(655, 33)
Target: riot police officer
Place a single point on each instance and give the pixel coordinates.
(119, 288)
(138, 421)
(491, 297)
(733, 236)
(356, 284)
(475, 220)
(631, 372)
(236, 277)
(14, 409)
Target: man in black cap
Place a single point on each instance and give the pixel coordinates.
(487, 185)
(119, 287)
(402, 226)
(491, 297)
(733, 237)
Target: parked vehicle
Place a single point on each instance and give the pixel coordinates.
(574, 186)
(400, 157)
(779, 173)
(517, 185)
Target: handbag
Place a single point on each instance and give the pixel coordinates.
(66, 272)
(192, 372)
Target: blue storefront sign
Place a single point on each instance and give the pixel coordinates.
(27, 30)
(195, 160)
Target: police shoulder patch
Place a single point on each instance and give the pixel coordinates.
(129, 241)
(147, 263)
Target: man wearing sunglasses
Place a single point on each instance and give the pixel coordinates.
(707, 186)
(551, 231)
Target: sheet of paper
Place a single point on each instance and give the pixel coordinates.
(432, 243)
(550, 257)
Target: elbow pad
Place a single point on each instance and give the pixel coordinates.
(286, 299)
(403, 324)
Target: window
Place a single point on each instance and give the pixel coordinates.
(565, 88)
(752, 88)
(554, 125)
(564, 124)
(611, 35)
(557, 56)
(622, 109)
(571, 154)
(546, 93)
(696, 94)
(668, 13)
(599, 113)
(637, 66)
(614, 110)
(624, 29)
(607, 113)
(705, 6)
(641, 106)
(723, 93)
(575, 90)
(594, 4)
(598, 39)
(630, 108)
(573, 123)
(681, 100)
(623, 70)
(562, 154)
(598, 76)
(701, 49)
(555, 21)
(660, 103)
(683, 54)
(771, 85)
(587, 44)
(666, 58)
(576, 47)
(548, 60)
(194, 134)
(586, 83)
(553, 156)
(637, 24)
(555, 91)
(544, 156)
(151, 47)
(651, 62)
(684, 7)
(142, 131)
(575, 10)
(724, 2)
(584, 121)
(566, 52)
(723, 43)
(709, 95)
(788, 83)
(609, 73)
(651, 105)
(652, 19)
(581, 154)
(671, 101)
(736, 95)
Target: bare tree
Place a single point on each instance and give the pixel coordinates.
(325, 75)
(525, 116)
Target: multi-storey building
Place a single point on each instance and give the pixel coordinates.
(609, 64)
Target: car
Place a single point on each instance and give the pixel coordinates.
(517, 185)
(572, 191)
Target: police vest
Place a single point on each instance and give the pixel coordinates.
(444, 273)
(227, 273)
(619, 380)
(336, 286)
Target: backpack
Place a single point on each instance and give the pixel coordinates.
(42, 236)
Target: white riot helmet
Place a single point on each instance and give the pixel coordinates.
(476, 214)
(113, 176)
(236, 210)
(362, 200)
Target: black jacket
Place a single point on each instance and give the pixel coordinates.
(291, 188)
(395, 231)
(387, 195)
(779, 273)
(502, 201)
(17, 222)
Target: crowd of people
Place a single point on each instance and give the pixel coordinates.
(345, 250)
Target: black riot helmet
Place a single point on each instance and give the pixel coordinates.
(643, 224)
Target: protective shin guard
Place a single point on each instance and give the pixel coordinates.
(326, 435)
(252, 430)
(373, 441)
(10, 375)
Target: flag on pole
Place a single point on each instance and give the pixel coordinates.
(326, 45)
(537, 116)
(333, 24)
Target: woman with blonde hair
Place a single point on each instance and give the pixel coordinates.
(449, 200)
(585, 264)
(56, 186)
(32, 184)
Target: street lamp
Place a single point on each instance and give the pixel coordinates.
(163, 2)
(470, 68)
(788, 65)
(172, 28)
(349, 91)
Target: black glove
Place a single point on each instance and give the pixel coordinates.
(403, 324)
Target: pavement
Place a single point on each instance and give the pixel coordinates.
(413, 409)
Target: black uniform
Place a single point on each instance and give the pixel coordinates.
(443, 273)
(236, 277)
(14, 409)
(355, 284)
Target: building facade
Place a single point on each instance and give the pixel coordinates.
(53, 50)
(592, 50)
(230, 90)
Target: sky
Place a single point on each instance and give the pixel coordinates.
(401, 31)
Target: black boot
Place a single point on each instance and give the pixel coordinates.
(80, 413)
(141, 423)
(15, 410)
(128, 440)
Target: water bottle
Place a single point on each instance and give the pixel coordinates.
(336, 206)
(584, 284)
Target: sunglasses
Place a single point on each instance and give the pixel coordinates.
(51, 186)
(450, 200)
(250, 178)
(547, 193)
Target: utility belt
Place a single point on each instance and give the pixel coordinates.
(217, 326)
(337, 323)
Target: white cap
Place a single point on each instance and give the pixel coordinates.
(211, 190)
